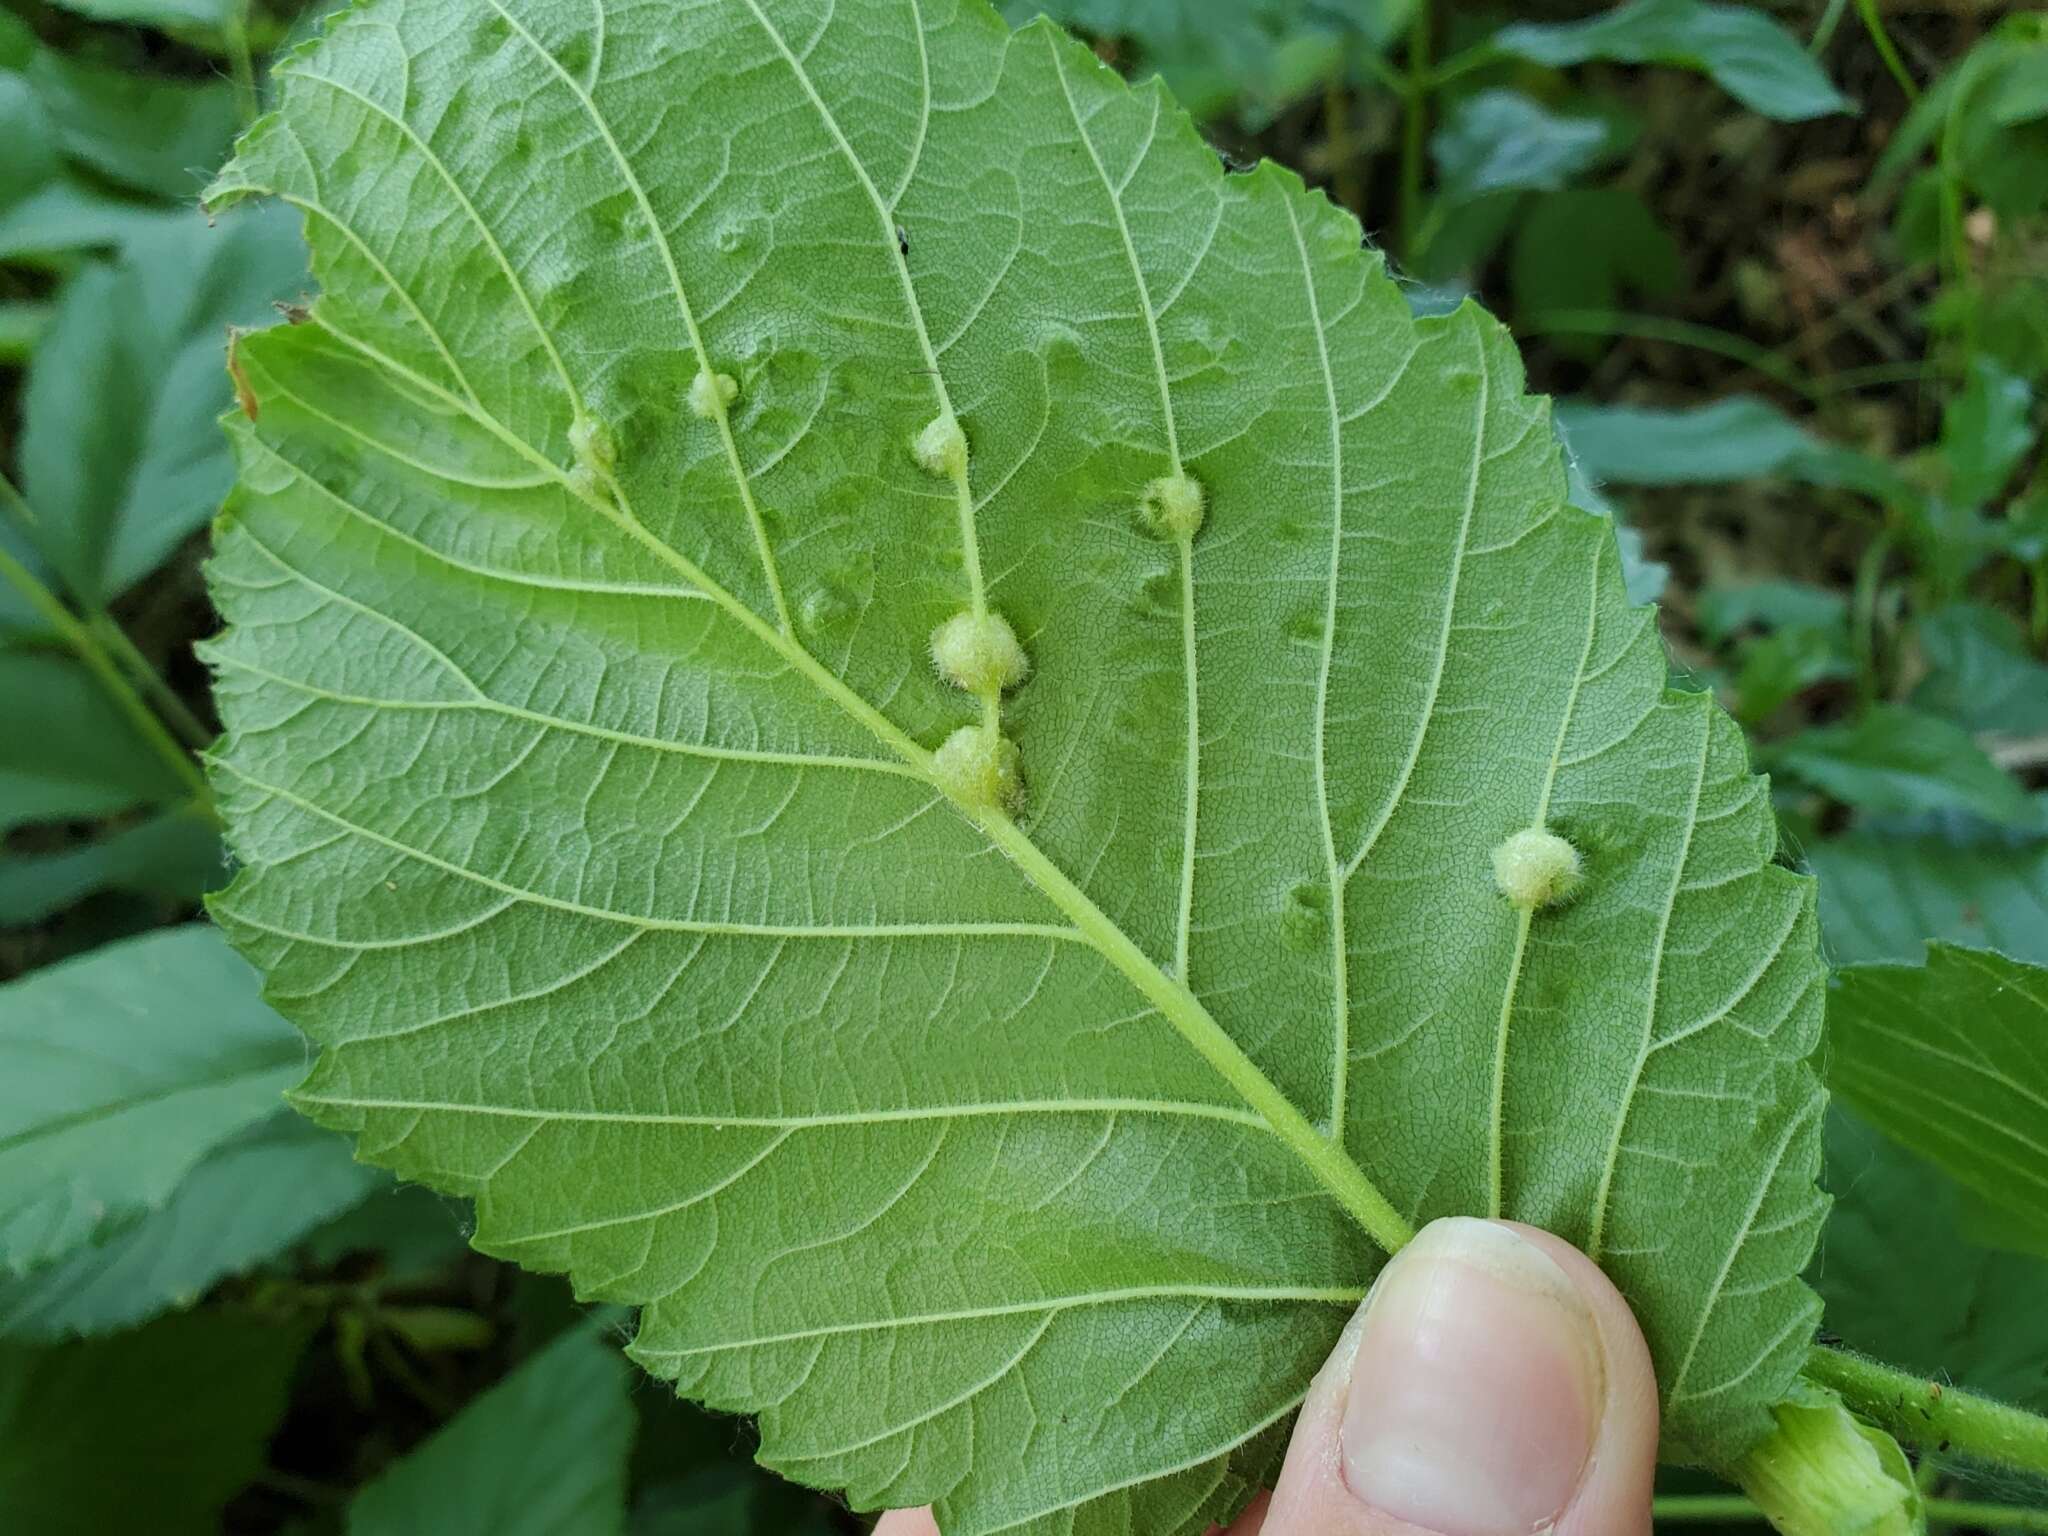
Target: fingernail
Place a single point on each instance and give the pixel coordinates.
(1477, 1388)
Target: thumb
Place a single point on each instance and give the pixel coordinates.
(1493, 1384)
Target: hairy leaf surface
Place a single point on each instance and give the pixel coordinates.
(584, 753)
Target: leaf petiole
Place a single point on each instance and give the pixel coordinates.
(1933, 1416)
(1716, 1508)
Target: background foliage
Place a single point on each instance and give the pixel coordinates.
(1785, 268)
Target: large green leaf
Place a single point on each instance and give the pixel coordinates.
(159, 1042)
(597, 824)
(150, 1430)
(1741, 49)
(1951, 1059)
(246, 1203)
(544, 1451)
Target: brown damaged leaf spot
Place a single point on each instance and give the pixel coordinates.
(245, 397)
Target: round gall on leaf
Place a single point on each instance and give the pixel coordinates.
(1535, 868)
(980, 654)
(978, 767)
(1173, 505)
(711, 393)
(941, 448)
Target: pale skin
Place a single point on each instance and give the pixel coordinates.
(1493, 1384)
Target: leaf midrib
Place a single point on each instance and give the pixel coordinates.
(1325, 1158)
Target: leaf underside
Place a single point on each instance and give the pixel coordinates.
(591, 824)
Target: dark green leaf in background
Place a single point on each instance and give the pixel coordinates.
(1250, 56)
(1950, 1058)
(1895, 761)
(1885, 892)
(205, 15)
(158, 1042)
(67, 753)
(1746, 53)
(152, 134)
(1906, 1275)
(1739, 438)
(1986, 431)
(122, 456)
(542, 1453)
(1499, 140)
(1981, 673)
(245, 1203)
(150, 1431)
(1586, 249)
(175, 856)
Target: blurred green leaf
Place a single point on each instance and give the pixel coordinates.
(1739, 438)
(1986, 431)
(1251, 57)
(1769, 605)
(1980, 673)
(21, 326)
(205, 15)
(1775, 669)
(159, 1042)
(1884, 892)
(1893, 760)
(150, 133)
(1583, 249)
(409, 1228)
(1742, 50)
(146, 1431)
(1495, 141)
(248, 1201)
(541, 1453)
(176, 855)
(1902, 1278)
(122, 456)
(67, 754)
(1950, 1059)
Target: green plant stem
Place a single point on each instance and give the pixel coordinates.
(1712, 1508)
(1683, 333)
(1873, 23)
(174, 709)
(1414, 126)
(1863, 614)
(2037, 615)
(1824, 33)
(1937, 1417)
(87, 647)
(235, 33)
